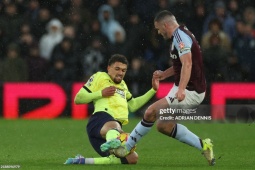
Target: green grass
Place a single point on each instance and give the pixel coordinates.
(46, 144)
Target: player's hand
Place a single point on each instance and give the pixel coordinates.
(158, 74)
(108, 91)
(155, 83)
(180, 95)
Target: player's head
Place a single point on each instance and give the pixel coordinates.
(117, 67)
(165, 23)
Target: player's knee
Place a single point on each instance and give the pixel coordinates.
(150, 114)
(132, 158)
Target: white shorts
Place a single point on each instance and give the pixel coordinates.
(192, 98)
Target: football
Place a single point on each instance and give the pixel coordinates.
(121, 151)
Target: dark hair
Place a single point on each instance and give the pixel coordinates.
(215, 21)
(161, 15)
(117, 58)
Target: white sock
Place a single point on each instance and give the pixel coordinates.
(141, 129)
(184, 135)
(89, 161)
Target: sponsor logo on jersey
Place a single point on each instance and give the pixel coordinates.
(181, 45)
(120, 92)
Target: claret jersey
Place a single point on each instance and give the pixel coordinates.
(183, 42)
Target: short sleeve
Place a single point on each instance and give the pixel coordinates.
(182, 42)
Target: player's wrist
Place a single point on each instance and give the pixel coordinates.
(153, 90)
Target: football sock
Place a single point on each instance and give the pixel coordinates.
(105, 160)
(182, 134)
(141, 129)
(79, 159)
(112, 134)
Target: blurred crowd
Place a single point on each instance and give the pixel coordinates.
(68, 40)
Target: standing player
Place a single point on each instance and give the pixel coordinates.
(112, 100)
(188, 90)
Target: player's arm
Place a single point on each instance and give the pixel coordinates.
(86, 96)
(183, 45)
(185, 71)
(136, 103)
(161, 75)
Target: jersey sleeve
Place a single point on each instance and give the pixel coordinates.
(128, 93)
(92, 84)
(182, 42)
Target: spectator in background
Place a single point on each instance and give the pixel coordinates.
(244, 47)
(51, 39)
(136, 35)
(38, 26)
(78, 17)
(195, 19)
(227, 21)
(11, 21)
(234, 70)
(163, 5)
(119, 44)
(215, 27)
(70, 32)
(182, 10)
(3, 41)
(215, 58)
(249, 18)
(37, 66)
(32, 11)
(26, 39)
(94, 31)
(14, 68)
(65, 52)
(108, 24)
(93, 58)
(145, 12)
(119, 10)
(234, 9)
(60, 73)
(136, 77)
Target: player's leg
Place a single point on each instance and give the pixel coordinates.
(178, 131)
(100, 127)
(145, 125)
(110, 131)
(181, 132)
(79, 159)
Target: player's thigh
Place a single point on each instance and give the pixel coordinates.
(99, 123)
(108, 126)
(96, 123)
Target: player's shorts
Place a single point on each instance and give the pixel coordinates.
(192, 98)
(95, 124)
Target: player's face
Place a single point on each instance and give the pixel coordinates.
(117, 71)
(161, 29)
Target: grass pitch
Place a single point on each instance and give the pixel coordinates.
(46, 144)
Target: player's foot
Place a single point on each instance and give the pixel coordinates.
(208, 151)
(79, 159)
(111, 144)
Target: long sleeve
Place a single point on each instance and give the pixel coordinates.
(135, 103)
(85, 96)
